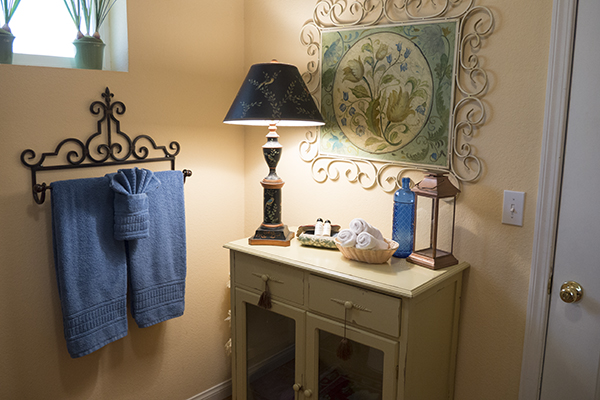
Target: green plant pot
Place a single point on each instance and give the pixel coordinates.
(6, 48)
(89, 53)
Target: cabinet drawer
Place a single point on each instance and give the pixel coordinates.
(369, 309)
(285, 283)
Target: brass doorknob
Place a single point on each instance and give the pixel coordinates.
(571, 292)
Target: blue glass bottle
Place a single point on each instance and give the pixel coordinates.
(403, 225)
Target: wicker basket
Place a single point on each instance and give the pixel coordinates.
(368, 256)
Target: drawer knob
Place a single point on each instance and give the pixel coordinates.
(307, 393)
(265, 277)
(348, 305)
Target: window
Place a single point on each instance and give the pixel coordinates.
(43, 27)
(44, 35)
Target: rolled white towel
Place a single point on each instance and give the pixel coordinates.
(359, 225)
(346, 238)
(366, 241)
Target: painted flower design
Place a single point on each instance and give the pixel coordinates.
(382, 52)
(432, 37)
(335, 143)
(354, 71)
(333, 53)
(386, 91)
(398, 106)
(381, 90)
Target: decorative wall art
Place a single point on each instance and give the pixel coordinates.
(400, 87)
(377, 92)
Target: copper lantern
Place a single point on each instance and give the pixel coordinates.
(434, 222)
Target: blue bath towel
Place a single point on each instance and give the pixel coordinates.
(157, 264)
(131, 186)
(91, 266)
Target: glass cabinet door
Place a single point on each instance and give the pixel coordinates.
(368, 373)
(271, 350)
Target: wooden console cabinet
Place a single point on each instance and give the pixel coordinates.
(401, 321)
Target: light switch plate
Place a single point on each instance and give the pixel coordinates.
(512, 208)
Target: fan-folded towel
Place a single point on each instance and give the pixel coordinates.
(91, 266)
(157, 264)
(131, 187)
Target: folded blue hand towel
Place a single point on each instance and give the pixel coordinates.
(157, 264)
(91, 266)
(131, 219)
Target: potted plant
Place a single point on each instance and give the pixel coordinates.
(89, 49)
(6, 37)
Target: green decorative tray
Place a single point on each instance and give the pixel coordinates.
(306, 237)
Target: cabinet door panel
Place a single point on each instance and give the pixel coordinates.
(269, 349)
(369, 372)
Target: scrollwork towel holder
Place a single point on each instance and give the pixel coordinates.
(106, 154)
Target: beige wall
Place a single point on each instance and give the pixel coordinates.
(182, 58)
(495, 290)
(178, 87)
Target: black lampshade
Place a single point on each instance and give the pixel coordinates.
(274, 92)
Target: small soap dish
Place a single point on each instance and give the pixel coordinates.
(306, 237)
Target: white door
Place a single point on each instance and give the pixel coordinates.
(572, 355)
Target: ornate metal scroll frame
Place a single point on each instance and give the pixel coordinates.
(106, 154)
(468, 111)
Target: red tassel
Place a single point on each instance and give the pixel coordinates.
(265, 298)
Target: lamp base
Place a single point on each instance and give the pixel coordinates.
(278, 235)
(424, 258)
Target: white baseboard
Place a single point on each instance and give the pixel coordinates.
(219, 392)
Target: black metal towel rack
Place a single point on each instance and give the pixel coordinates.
(105, 154)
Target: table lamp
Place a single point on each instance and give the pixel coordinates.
(273, 94)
